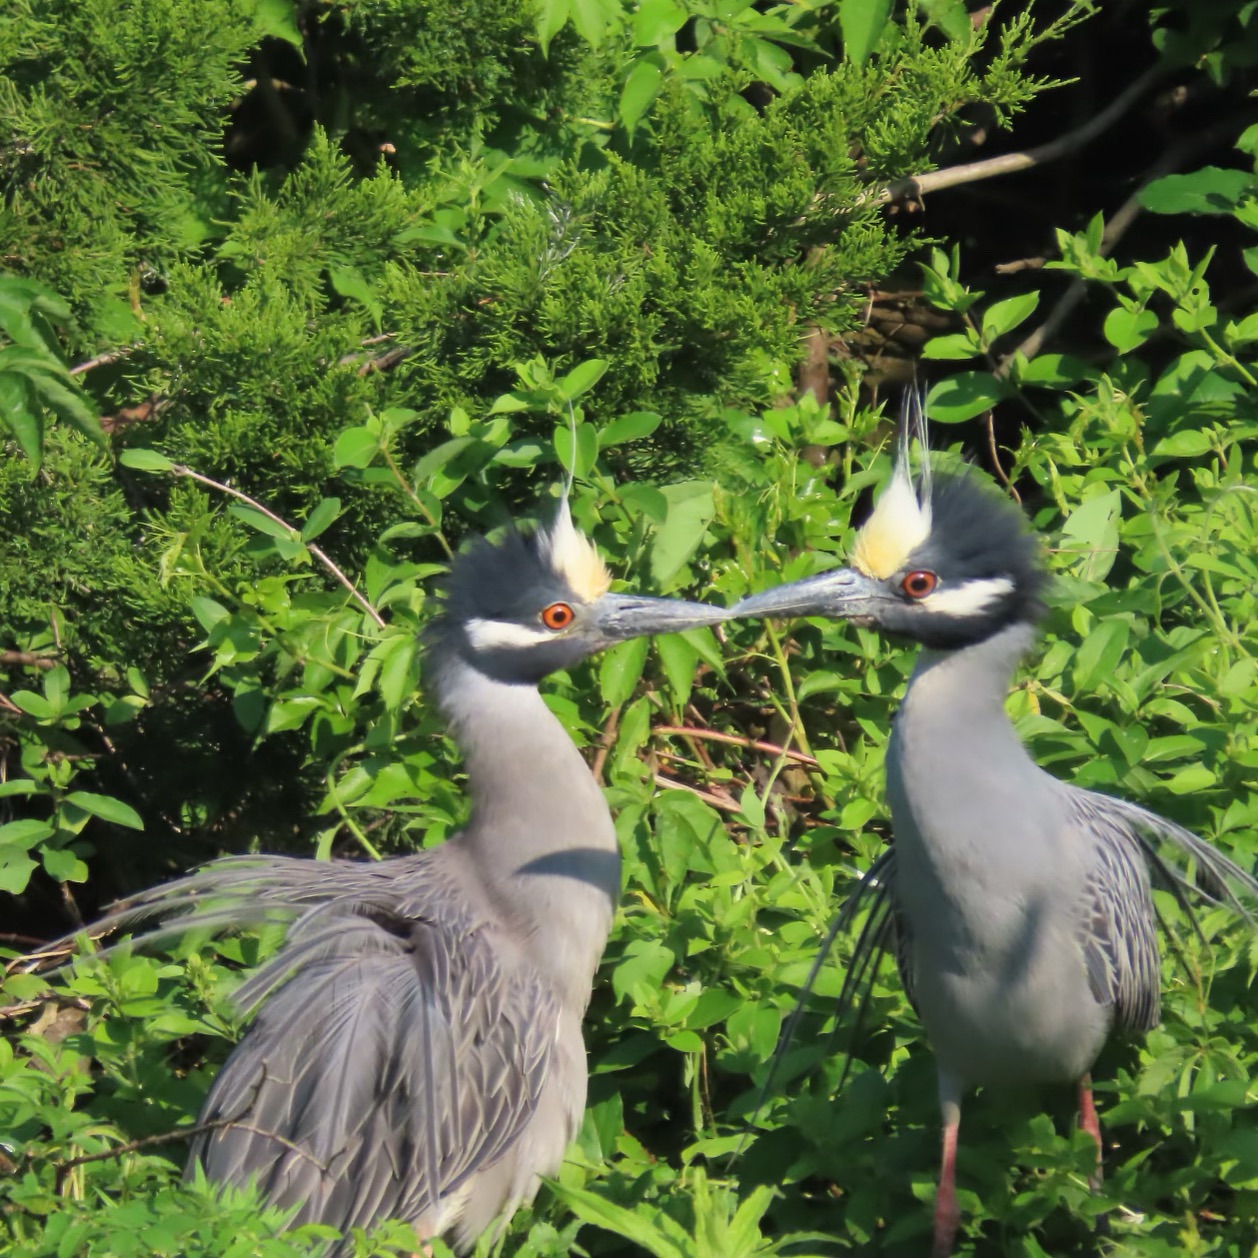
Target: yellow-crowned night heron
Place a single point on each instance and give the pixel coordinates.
(1018, 906)
(417, 1049)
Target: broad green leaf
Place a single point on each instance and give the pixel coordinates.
(690, 509)
(72, 405)
(63, 865)
(586, 455)
(679, 657)
(647, 1227)
(22, 418)
(1091, 531)
(355, 447)
(349, 283)
(15, 872)
(255, 519)
(278, 19)
(1006, 315)
(656, 21)
(640, 89)
(594, 18)
(33, 704)
(24, 834)
(207, 611)
(1100, 653)
(955, 345)
(145, 460)
(862, 23)
(963, 396)
(631, 427)
(581, 379)
(620, 668)
(551, 16)
(1129, 329)
(1210, 190)
(107, 808)
(1192, 443)
(321, 518)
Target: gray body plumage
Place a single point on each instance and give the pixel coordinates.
(416, 1050)
(1026, 932)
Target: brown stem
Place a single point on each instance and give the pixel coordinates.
(724, 805)
(736, 740)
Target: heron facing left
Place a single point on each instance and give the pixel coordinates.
(416, 1050)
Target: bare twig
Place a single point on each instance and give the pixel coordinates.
(605, 744)
(103, 360)
(914, 187)
(737, 740)
(716, 801)
(179, 469)
(28, 659)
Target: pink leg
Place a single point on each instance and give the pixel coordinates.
(947, 1212)
(1088, 1122)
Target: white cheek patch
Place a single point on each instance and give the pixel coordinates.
(492, 635)
(972, 598)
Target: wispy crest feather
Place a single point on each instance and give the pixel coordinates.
(901, 518)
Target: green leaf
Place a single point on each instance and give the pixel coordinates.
(1100, 653)
(278, 20)
(33, 704)
(355, 447)
(678, 656)
(207, 611)
(594, 18)
(635, 1226)
(581, 379)
(325, 512)
(657, 21)
(145, 460)
(1210, 190)
(1006, 315)
(256, 519)
(1092, 527)
(21, 418)
(107, 808)
(63, 865)
(963, 396)
(1192, 443)
(631, 427)
(551, 16)
(15, 873)
(862, 23)
(350, 283)
(24, 834)
(1126, 329)
(690, 510)
(620, 668)
(72, 405)
(586, 455)
(641, 88)
(955, 345)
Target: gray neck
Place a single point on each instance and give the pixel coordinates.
(540, 837)
(973, 680)
(956, 769)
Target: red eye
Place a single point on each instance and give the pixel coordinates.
(558, 616)
(919, 584)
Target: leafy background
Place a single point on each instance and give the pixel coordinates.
(290, 286)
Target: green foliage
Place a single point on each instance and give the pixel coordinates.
(487, 244)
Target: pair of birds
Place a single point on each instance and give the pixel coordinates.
(416, 1050)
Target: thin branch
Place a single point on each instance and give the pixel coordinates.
(724, 805)
(179, 469)
(27, 659)
(737, 740)
(103, 360)
(915, 187)
(605, 744)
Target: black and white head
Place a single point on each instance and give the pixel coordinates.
(533, 603)
(945, 560)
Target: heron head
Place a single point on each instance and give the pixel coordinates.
(944, 559)
(530, 604)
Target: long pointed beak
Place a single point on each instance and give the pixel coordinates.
(623, 616)
(839, 594)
